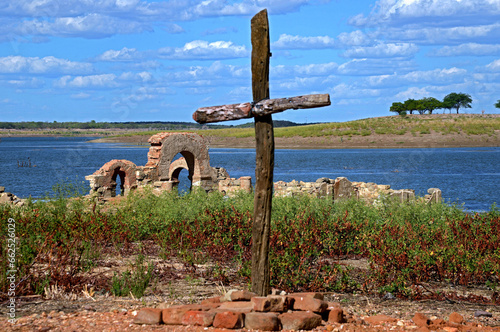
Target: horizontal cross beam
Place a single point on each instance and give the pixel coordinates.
(263, 107)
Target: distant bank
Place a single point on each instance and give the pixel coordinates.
(412, 131)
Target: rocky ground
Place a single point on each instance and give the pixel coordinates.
(90, 310)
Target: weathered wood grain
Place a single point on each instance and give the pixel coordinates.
(271, 106)
(264, 137)
(263, 107)
(223, 113)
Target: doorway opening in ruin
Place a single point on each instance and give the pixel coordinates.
(180, 174)
(118, 179)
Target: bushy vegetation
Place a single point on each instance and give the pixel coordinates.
(405, 244)
(429, 104)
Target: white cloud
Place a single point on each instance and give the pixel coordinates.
(297, 42)
(125, 54)
(369, 67)
(142, 77)
(382, 51)
(494, 66)
(413, 93)
(355, 38)
(46, 65)
(439, 35)
(322, 69)
(81, 95)
(474, 49)
(26, 83)
(245, 7)
(203, 50)
(436, 77)
(435, 12)
(348, 91)
(174, 28)
(93, 25)
(91, 81)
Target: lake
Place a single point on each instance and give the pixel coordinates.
(465, 175)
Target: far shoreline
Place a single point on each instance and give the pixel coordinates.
(374, 141)
(408, 141)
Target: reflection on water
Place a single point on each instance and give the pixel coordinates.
(465, 175)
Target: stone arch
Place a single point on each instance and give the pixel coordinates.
(175, 169)
(194, 150)
(103, 181)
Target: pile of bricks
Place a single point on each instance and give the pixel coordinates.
(243, 309)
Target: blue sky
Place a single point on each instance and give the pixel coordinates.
(135, 60)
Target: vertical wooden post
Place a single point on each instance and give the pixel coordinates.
(264, 137)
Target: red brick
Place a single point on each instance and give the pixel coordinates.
(309, 303)
(264, 321)
(198, 318)
(300, 320)
(148, 316)
(336, 315)
(236, 306)
(229, 320)
(274, 303)
(421, 320)
(242, 295)
(173, 315)
(456, 318)
(314, 295)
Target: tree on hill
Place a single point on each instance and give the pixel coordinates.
(429, 104)
(457, 101)
(398, 108)
(411, 105)
(497, 105)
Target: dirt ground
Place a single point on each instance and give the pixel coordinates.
(374, 141)
(93, 310)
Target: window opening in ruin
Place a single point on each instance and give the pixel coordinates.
(184, 186)
(119, 178)
(182, 176)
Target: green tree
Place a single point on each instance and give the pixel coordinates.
(497, 105)
(398, 108)
(411, 105)
(429, 104)
(457, 100)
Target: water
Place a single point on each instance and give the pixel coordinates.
(465, 175)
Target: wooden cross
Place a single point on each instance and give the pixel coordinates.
(261, 110)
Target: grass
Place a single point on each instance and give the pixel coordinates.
(405, 244)
(391, 125)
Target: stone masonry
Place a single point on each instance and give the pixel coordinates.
(341, 188)
(9, 198)
(160, 171)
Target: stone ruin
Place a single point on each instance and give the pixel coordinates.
(341, 188)
(9, 198)
(162, 173)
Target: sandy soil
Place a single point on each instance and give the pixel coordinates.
(176, 283)
(432, 140)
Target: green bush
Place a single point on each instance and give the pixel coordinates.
(405, 244)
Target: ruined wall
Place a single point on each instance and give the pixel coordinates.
(9, 198)
(160, 171)
(104, 181)
(230, 186)
(341, 188)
